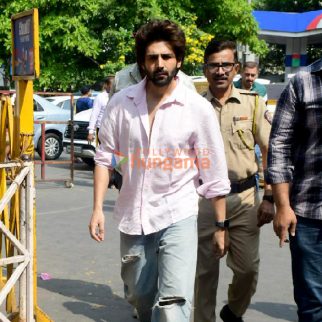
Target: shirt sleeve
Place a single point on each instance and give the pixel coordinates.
(95, 113)
(263, 127)
(280, 167)
(211, 157)
(108, 137)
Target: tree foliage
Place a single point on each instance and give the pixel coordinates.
(230, 19)
(83, 40)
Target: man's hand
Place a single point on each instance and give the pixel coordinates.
(265, 213)
(220, 242)
(96, 226)
(90, 137)
(284, 223)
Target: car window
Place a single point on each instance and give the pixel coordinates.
(66, 105)
(37, 107)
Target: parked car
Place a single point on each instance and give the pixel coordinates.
(62, 101)
(82, 147)
(46, 111)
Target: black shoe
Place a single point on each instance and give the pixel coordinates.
(228, 316)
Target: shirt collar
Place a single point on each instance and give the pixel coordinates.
(238, 84)
(135, 73)
(234, 96)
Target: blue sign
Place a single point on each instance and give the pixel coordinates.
(23, 51)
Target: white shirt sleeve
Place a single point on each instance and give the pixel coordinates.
(99, 104)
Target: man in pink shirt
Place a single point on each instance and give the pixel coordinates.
(166, 138)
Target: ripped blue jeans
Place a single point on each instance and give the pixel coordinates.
(158, 271)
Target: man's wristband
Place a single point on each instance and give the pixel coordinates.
(269, 198)
(222, 224)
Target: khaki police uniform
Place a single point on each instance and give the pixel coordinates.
(242, 125)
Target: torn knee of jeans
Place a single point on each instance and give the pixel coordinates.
(130, 258)
(169, 300)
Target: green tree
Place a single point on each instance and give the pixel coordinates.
(68, 45)
(83, 40)
(131, 19)
(230, 19)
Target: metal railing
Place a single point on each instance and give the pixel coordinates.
(18, 264)
(69, 183)
(23, 255)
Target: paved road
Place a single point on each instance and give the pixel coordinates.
(85, 284)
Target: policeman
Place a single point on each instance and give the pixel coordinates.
(241, 116)
(247, 81)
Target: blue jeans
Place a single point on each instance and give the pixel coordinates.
(158, 271)
(306, 251)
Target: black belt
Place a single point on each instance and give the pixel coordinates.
(242, 185)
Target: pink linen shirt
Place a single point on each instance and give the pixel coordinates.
(161, 169)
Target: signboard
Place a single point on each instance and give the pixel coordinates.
(25, 45)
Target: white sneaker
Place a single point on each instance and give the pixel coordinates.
(135, 314)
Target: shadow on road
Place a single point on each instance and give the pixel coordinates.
(92, 300)
(276, 310)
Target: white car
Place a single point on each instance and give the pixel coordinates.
(62, 101)
(47, 111)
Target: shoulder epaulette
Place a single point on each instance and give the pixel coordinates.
(249, 93)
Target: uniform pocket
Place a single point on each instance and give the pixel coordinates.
(242, 135)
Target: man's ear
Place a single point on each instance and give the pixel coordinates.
(204, 70)
(237, 67)
(179, 63)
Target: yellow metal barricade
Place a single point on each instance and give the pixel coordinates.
(17, 213)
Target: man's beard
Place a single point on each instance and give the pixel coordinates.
(161, 77)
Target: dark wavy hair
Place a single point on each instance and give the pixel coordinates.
(215, 46)
(159, 30)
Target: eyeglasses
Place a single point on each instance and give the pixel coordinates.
(214, 67)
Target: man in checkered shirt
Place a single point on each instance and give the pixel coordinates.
(295, 172)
